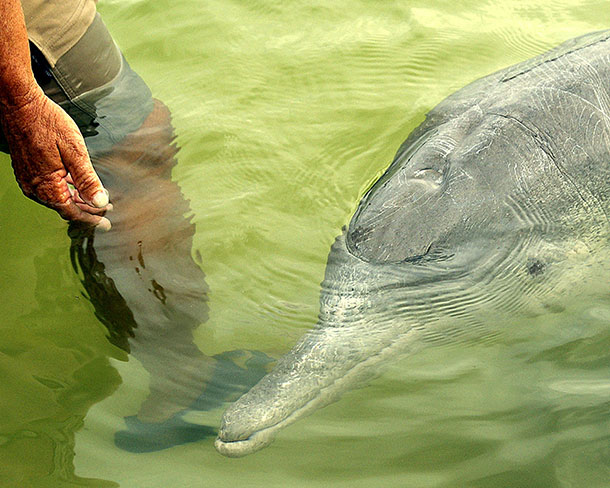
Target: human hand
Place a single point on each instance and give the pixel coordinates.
(49, 156)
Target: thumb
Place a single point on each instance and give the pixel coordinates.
(75, 157)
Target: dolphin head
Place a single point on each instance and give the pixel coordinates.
(398, 252)
(362, 322)
(455, 232)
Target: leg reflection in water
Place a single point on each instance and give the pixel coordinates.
(140, 276)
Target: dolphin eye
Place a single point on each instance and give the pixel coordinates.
(428, 174)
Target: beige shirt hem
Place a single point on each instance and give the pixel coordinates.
(54, 26)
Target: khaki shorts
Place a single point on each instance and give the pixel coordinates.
(94, 84)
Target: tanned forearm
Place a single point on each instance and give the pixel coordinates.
(48, 152)
(16, 78)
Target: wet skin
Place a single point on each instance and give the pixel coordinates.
(495, 208)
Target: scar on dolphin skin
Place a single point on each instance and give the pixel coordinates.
(491, 232)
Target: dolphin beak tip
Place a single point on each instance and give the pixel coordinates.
(232, 449)
(243, 447)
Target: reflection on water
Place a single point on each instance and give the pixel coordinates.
(140, 277)
(54, 368)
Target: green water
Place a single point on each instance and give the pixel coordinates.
(285, 113)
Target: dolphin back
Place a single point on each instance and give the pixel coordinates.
(507, 139)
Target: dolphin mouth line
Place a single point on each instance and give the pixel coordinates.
(262, 438)
(253, 443)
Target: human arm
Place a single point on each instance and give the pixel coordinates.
(46, 147)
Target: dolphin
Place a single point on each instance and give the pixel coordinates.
(496, 207)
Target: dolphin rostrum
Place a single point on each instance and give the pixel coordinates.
(496, 206)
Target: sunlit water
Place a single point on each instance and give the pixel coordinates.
(285, 113)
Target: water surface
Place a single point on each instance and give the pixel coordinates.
(285, 113)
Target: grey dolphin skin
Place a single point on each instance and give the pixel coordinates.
(496, 207)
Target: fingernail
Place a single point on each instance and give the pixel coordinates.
(100, 199)
(104, 225)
